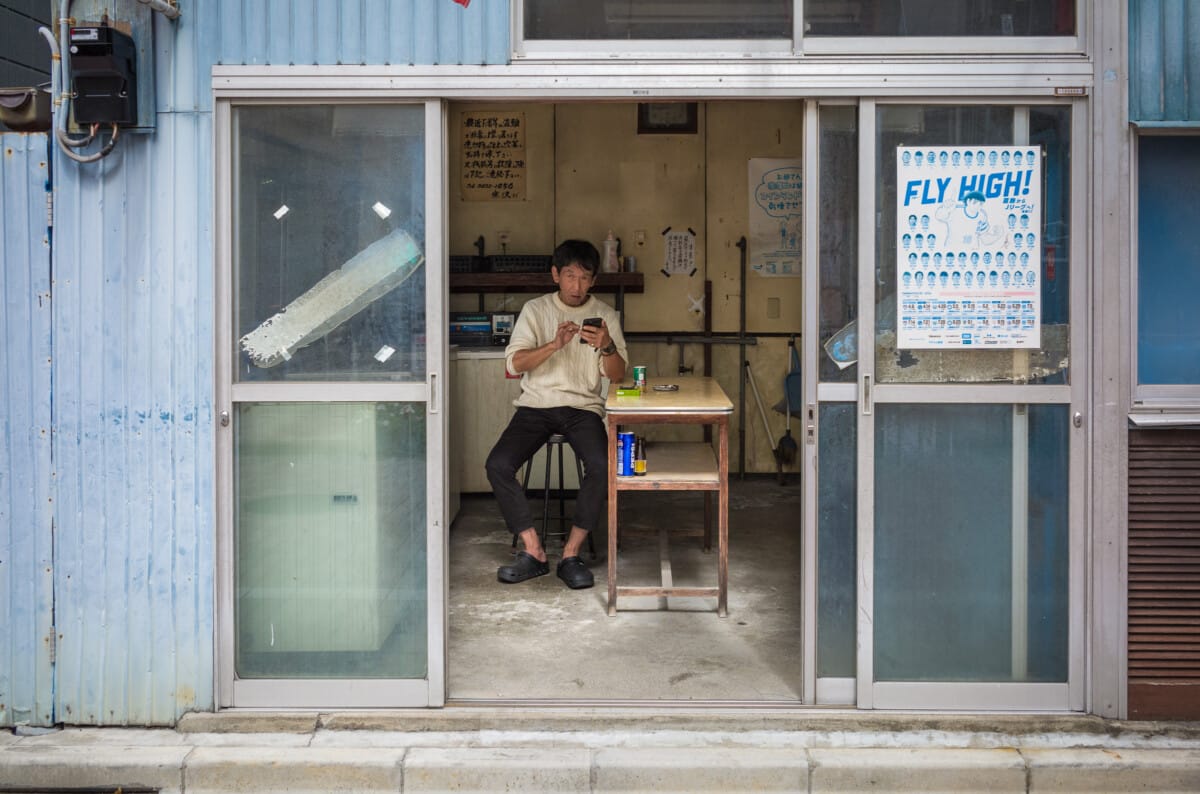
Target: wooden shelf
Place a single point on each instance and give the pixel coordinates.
(539, 282)
(676, 466)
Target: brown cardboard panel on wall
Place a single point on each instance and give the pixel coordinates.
(609, 177)
(738, 132)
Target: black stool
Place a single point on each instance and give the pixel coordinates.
(555, 442)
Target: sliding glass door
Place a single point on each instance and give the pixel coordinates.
(967, 444)
(330, 390)
(948, 505)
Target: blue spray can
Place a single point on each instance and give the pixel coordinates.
(625, 443)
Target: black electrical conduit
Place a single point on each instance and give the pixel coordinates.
(741, 339)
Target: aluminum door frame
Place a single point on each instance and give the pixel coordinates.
(333, 693)
(1067, 696)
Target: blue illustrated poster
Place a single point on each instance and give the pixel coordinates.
(968, 247)
(776, 217)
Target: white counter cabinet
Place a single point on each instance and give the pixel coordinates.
(481, 404)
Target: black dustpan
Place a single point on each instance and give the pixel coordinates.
(792, 403)
(786, 449)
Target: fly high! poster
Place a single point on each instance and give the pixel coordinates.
(968, 247)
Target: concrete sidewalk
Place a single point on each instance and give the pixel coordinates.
(580, 749)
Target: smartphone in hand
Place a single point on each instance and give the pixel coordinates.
(593, 321)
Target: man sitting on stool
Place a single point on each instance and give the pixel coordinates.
(560, 393)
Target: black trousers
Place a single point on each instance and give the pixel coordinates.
(525, 435)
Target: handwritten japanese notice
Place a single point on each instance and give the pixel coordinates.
(493, 156)
(680, 253)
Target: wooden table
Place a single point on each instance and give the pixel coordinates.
(674, 467)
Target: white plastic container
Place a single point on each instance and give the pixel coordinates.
(609, 262)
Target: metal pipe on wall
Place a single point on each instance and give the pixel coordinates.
(167, 9)
(708, 348)
(741, 244)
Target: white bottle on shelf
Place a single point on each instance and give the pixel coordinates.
(609, 263)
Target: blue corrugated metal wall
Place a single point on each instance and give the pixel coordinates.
(26, 542)
(1164, 62)
(133, 335)
(133, 431)
(397, 32)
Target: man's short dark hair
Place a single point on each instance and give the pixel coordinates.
(577, 252)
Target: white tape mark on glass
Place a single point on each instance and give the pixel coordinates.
(384, 353)
(283, 210)
(381, 210)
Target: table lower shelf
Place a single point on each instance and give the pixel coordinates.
(674, 466)
(685, 466)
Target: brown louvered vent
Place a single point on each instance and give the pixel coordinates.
(1164, 574)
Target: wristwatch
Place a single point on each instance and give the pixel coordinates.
(609, 349)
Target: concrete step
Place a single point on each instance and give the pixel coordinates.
(609, 751)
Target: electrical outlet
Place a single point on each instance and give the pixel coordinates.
(502, 237)
(639, 236)
(772, 308)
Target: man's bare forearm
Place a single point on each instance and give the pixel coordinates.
(614, 367)
(525, 360)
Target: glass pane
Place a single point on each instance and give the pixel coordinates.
(330, 534)
(661, 19)
(838, 229)
(1168, 341)
(329, 230)
(981, 126)
(1050, 128)
(940, 18)
(970, 555)
(837, 541)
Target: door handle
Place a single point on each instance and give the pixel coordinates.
(866, 395)
(434, 402)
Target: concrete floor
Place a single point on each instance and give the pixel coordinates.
(538, 640)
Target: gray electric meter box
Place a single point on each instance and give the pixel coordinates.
(103, 65)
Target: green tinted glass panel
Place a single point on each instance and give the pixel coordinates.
(837, 541)
(971, 566)
(330, 533)
(838, 229)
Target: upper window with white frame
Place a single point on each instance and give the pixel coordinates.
(941, 18)
(563, 29)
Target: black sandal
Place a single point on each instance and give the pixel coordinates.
(575, 573)
(526, 566)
